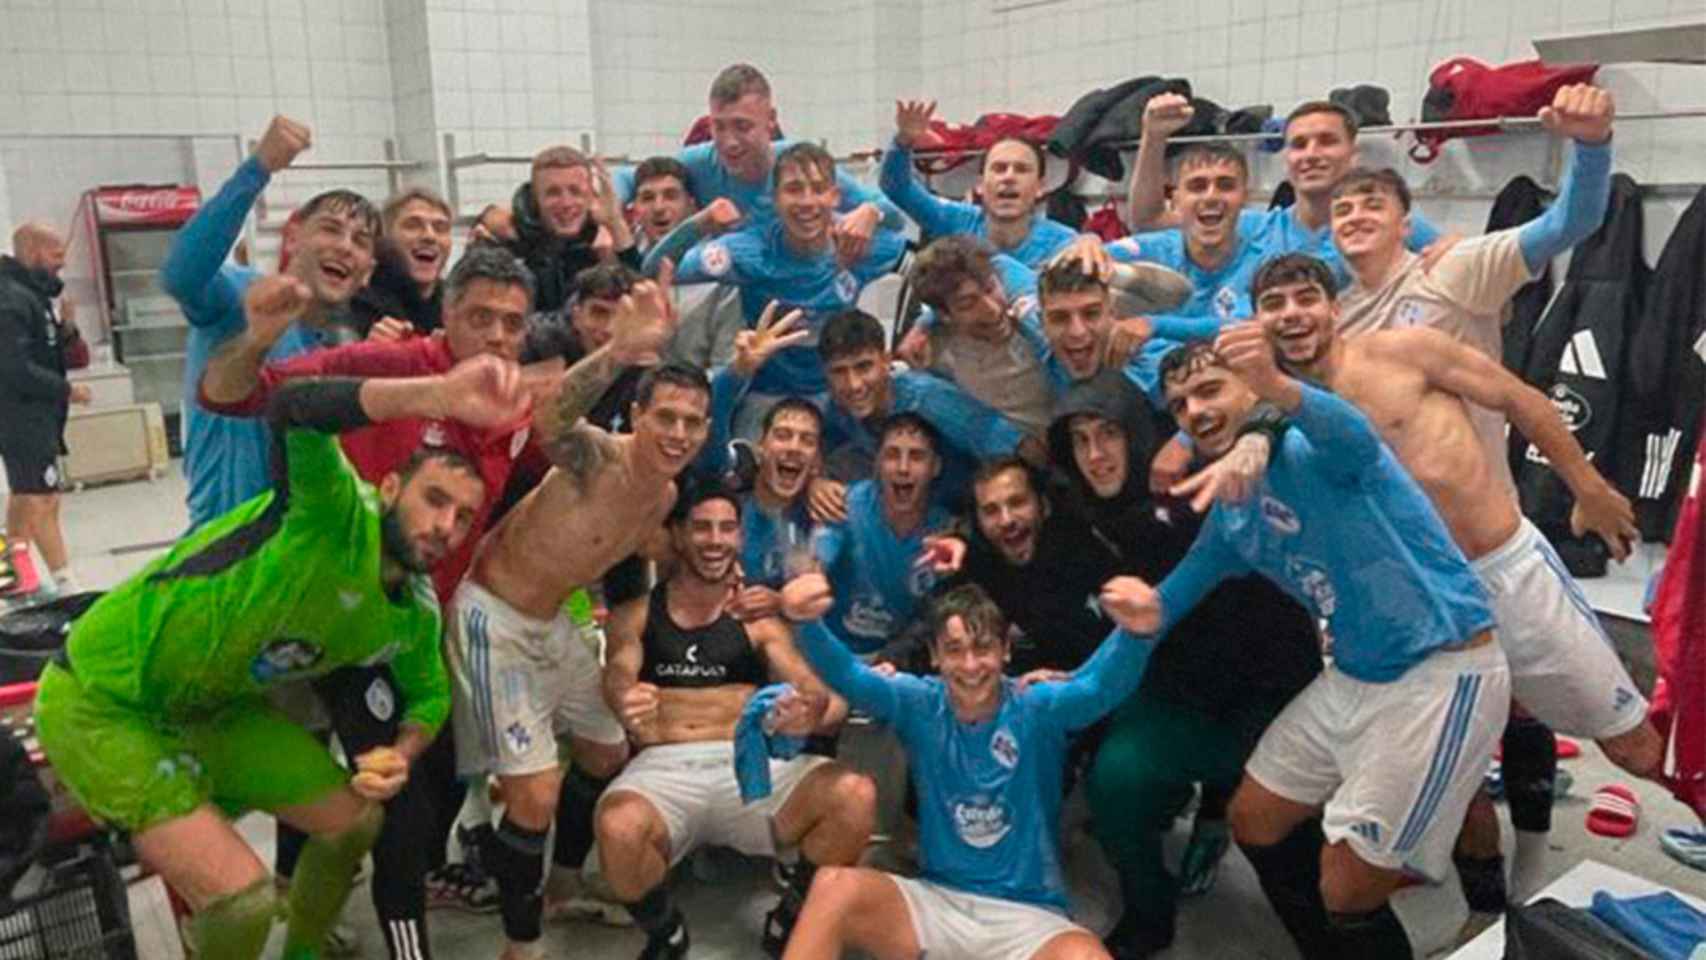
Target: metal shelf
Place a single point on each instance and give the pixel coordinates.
(1673, 43)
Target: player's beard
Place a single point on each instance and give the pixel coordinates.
(397, 544)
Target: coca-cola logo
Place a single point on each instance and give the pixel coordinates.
(147, 204)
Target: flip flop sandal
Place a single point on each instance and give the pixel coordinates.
(1687, 847)
(1614, 812)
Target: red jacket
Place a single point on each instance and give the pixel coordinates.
(382, 448)
(1679, 645)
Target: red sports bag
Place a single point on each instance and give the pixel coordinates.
(1464, 88)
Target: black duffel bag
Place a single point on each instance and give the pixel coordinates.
(30, 637)
(1550, 930)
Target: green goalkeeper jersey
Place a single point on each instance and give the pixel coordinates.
(286, 586)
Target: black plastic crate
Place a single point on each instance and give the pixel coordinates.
(80, 912)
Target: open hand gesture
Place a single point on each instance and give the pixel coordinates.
(754, 347)
(484, 391)
(912, 120)
(645, 320)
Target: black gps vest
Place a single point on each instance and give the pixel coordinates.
(709, 656)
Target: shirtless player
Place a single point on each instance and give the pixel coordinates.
(1418, 385)
(516, 657)
(680, 673)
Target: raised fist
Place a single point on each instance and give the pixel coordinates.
(283, 141)
(1580, 111)
(1166, 114)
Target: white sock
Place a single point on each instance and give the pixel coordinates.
(1528, 867)
(65, 581)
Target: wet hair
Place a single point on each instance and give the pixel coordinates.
(396, 202)
(559, 158)
(443, 456)
(606, 281)
(654, 168)
(697, 488)
(1187, 358)
(670, 374)
(1036, 153)
(990, 469)
(806, 156)
(1363, 180)
(975, 609)
(909, 422)
(791, 404)
(945, 264)
(1293, 268)
(1203, 154)
(341, 201)
(484, 261)
(1068, 277)
(847, 332)
(737, 80)
(1311, 107)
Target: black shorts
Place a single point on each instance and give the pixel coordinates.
(32, 463)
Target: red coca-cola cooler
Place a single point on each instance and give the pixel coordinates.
(129, 229)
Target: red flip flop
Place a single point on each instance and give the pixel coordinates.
(1567, 749)
(1615, 811)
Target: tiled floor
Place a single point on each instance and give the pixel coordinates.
(115, 530)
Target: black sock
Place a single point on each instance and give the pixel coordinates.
(575, 809)
(1529, 767)
(823, 745)
(518, 863)
(1215, 799)
(286, 849)
(1374, 934)
(655, 912)
(1483, 880)
(800, 881)
(1290, 875)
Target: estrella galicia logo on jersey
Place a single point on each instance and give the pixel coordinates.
(715, 258)
(1409, 313)
(1313, 582)
(846, 286)
(981, 820)
(868, 618)
(1226, 303)
(517, 739)
(434, 435)
(1572, 407)
(284, 657)
(1622, 698)
(1280, 516)
(1005, 748)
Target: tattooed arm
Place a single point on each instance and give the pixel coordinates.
(644, 322)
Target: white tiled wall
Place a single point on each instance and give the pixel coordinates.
(194, 66)
(511, 76)
(1239, 52)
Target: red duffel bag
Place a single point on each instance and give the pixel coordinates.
(1464, 88)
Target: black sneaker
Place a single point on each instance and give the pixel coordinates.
(779, 924)
(1132, 940)
(671, 945)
